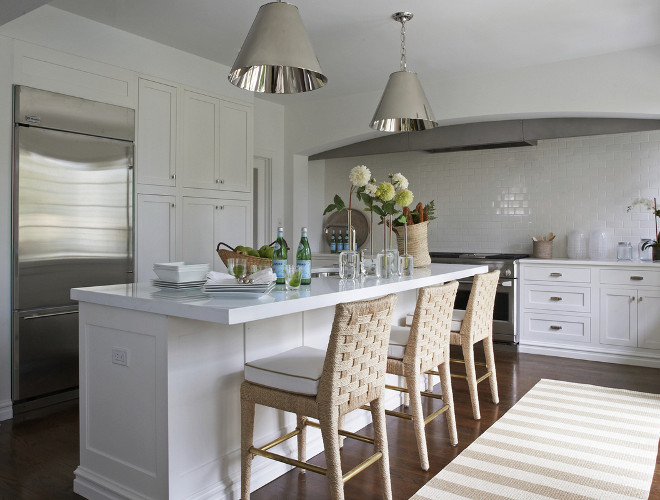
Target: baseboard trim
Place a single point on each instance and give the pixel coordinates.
(6, 410)
(94, 487)
(590, 355)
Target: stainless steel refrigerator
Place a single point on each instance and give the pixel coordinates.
(72, 213)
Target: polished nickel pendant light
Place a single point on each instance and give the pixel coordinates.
(277, 56)
(404, 106)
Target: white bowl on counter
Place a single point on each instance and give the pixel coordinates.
(180, 272)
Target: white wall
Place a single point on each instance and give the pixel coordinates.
(492, 200)
(618, 84)
(622, 84)
(64, 33)
(269, 143)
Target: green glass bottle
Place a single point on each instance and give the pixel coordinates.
(279, 256)
(304, 258)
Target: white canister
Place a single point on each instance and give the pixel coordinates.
(598, 245)
(576, 246)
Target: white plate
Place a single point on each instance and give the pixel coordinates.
(238, 295)
(243, 286)
(243, 289)
(178, 285)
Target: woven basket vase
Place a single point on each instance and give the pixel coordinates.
(418, 244)
(249, 259)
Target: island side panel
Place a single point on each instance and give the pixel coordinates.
(205, 370)
(123, 408)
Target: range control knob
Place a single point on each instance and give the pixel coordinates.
(507, 273)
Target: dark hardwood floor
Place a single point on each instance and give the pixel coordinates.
(39, 450)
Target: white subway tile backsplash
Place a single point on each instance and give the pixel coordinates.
(492, 200)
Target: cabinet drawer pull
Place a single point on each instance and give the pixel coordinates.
(556, 299)
(636, 278)
(555, 327)
(555, 275)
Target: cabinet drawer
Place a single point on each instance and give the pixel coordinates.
(551, 298)
(630, 277)
(559, 274)
(550, 328)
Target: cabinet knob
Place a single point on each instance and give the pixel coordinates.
(173, 176)
(556, 299)
(173, 205)
(632, 299)
(636, 278)
(217, 181)
(222, 181)
(555, 327)
(555, 275)
(640, 299)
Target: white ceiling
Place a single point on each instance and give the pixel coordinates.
(357, 42)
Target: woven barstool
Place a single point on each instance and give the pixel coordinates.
(471, 326)
(326, 386)
(424, 348)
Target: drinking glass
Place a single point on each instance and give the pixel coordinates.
(349, 265)
(406, 265)
(237, 267)
(292, 276)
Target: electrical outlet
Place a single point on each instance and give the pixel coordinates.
(119, 356)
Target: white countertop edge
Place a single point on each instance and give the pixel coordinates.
(110, 296)
(579, 262)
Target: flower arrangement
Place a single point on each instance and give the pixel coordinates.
(359, 177)
(652, 205)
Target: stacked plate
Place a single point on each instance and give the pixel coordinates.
(242, 288)
(180, 275)
(178, 285)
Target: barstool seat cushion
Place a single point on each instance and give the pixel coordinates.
(457, 318)
(297, 370)
(398, 341)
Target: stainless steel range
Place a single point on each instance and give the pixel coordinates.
(505, 315)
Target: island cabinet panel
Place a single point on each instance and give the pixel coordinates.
(156, 133)
(208, 221)
(156, 233)
(166, 423)
(605, 311)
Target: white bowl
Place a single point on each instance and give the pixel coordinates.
(180, 272)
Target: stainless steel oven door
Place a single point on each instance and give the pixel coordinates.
(504, 313)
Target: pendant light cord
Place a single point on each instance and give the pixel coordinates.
(403, 44)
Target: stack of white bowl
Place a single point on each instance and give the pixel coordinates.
(180, 272)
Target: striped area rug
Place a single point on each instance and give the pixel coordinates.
(563, 441)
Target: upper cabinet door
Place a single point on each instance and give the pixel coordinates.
(235, 147)
(201, 140)
(156, 137)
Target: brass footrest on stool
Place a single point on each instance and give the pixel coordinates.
(263, 452)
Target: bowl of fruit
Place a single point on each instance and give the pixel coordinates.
(261, 257)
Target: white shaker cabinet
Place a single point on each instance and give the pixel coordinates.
(208, 221)
(156, 133)
(217, 143)
(156, 232)
(598, 310)
(618, 322)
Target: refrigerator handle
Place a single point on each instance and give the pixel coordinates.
(130, 153)
(47, 315)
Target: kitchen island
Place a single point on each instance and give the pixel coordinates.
(160, 372)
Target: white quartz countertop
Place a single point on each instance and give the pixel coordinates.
(230, 309)
(579, 262)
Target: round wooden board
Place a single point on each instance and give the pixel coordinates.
(339, 220)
